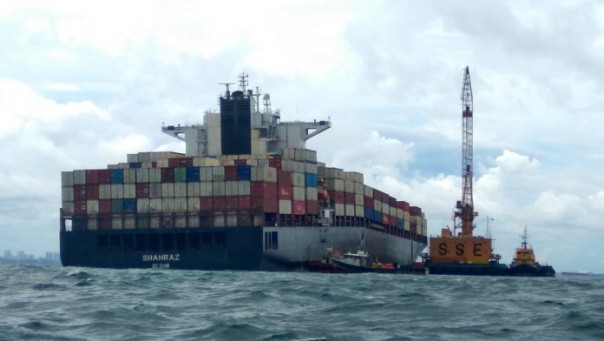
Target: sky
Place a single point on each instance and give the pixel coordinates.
(84, 84)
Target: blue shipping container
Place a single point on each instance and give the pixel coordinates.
(244, 172)
(129, 206)
(193, 174)
(377, 216)
(311, 179)
(117, 176)
(135, 165)
(400, 223)
(368, 212)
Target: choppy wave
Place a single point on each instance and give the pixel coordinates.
(54, 303)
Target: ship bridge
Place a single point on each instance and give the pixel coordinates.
(244, 126)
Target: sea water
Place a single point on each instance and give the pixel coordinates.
(56, 303)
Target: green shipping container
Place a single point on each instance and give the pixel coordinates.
(180, 174)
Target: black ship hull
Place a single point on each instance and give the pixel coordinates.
(237, 248)
(489, 269)
(526, 270)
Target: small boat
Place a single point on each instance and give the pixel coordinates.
(525, 264)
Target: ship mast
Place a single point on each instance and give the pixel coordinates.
(465, 207)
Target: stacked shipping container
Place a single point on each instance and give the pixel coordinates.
(164, 189)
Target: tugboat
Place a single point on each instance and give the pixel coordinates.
(524, 263)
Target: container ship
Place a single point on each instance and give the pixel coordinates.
(246, 195)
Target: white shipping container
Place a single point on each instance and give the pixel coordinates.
(377, 205)
(129, 191)
(129, 176)
(67, 194)
(205, 189)
(359, 188)
(180, 204)
(144, 157)
(117, 191)
(205, 173)
(244, 187)
(354, 176)
(68, 208)
(299, 193)
(167, 204)
(155, 190)
(311, 194)
(231, 219)
(66, 179)
(130, 222)
(79, 177)
(142, 205)
(193, 220)
(285, 206)
(269, 174)
(131, 158)
(298, 179)
(310, 168)
(92, 224)
(359, 211)
(167, 190)
(155, 175)
(334, 173)
(349, 210)
(231, 188)
(218, 188)
(180, 189)
(359, 199)
(155, 205)
(335, 184)
(104, 191)
(368, 191)
(180, 221)
(218, 173)
(162, 163)
(92, 206)
(154, 222)
(193, 204)
(142, 175)
(349, 186)
(193, 189)
(339, 209)
(117, 222)
(218, 220)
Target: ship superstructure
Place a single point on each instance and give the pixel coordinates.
(247, 194)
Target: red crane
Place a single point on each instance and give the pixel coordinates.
(464, 210)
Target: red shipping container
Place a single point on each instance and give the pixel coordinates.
(219, 203)
(312, 207)
(167, 174)
(79, 192)
(285, 192)
(275, 163)
(230, 173)
(349, 198)
(79, 207)
(231, 203)
(206, 204)
(105, 222)
(368, 201)
(104, 176)
(386, 219)
(180, 162)
(105, 206)
(92, 176)
(271, 205)
(244, 202)
(299, 207)
(415, 211)
(142, 190)
(240, 162)
(403, 205)
(337, 197)
(92, 192)
(257, 189)
(284, 177)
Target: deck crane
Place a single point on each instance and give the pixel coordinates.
(464, 211)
